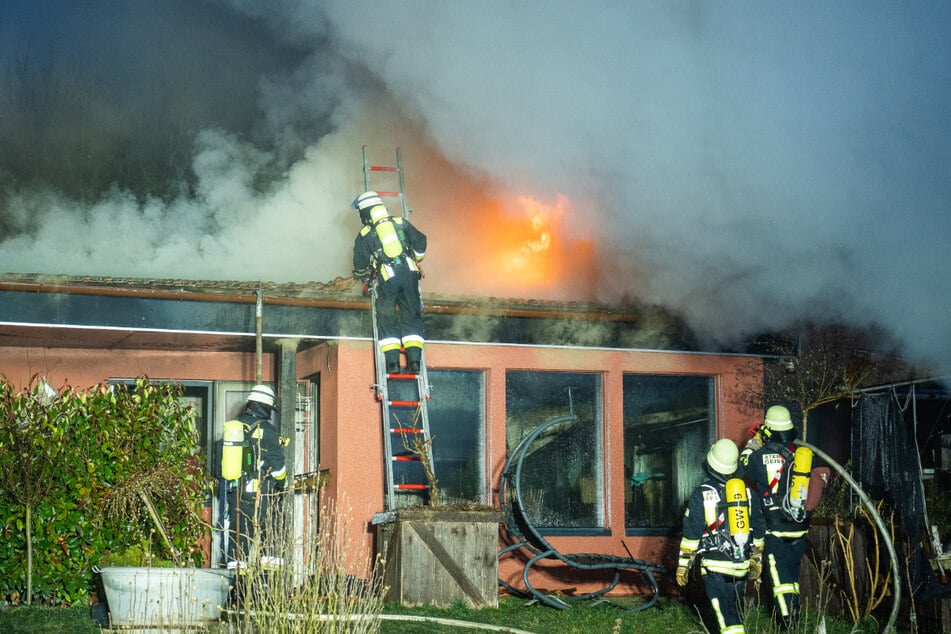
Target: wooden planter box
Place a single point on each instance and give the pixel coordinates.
(440, 556)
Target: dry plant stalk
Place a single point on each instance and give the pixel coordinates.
(318, 587)
(421, 445)
(877, 578)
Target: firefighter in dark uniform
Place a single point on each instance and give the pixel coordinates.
(768, 461)
(259, 480)
(387, 252)
(723, 528)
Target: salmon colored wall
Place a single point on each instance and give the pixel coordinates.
(351, 444)
(350, 417)
(733, 419)
(82, 368)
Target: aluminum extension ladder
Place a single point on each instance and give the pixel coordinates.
(400, 193)
(407, 443)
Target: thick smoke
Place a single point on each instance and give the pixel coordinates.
(744, 165)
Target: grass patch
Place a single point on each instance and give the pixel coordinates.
(668, 616)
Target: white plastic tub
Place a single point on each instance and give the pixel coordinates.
(144, 596)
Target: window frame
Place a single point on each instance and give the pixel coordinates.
(601, 503)
(708, 438)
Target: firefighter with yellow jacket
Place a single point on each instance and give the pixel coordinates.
(723, 529)
(387, 252)
(779, 473)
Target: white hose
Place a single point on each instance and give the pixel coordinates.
(403, 617)
(453, 622)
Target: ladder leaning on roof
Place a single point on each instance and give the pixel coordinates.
(407, 446)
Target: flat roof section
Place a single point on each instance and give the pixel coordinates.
(62, 311)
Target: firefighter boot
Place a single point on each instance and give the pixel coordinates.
(413, 357)
(392, 358)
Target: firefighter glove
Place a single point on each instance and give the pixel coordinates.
(682, 573)
(756, 565)
(279, 485)
(754, 443)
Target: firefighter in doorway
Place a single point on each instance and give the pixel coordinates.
(387, 252)
(253, 464)
(779, 473)
(723, 528)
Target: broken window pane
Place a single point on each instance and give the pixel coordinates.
(562, 473)
(669, 423)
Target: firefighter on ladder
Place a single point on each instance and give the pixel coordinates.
(780, 474)
(387, 252)
(252, 461)
(723, 528)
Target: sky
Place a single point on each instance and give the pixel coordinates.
(748, 165)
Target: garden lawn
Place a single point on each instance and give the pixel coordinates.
(668, 616)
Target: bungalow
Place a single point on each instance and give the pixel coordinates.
(648, 401)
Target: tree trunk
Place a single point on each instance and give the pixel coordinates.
(29, 555)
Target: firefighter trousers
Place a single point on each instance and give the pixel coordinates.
(725, 595)
(256, 522)
(399, 315)
(783, 560)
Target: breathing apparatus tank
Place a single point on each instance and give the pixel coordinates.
(799, 482)
(389, 239)
(737, 512)
(232, 449)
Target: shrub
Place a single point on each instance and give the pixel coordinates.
(73, 471)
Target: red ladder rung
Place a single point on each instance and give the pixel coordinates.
(389, 194)
(382, 168)
(406, 458)
(404, 403)
(411, 487)
(406, 430)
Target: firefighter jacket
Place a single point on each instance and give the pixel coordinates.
(706, 531)
(769, 469)
(386, 243)
(264, 455)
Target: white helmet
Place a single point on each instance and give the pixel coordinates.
(367, 200)
(722, 456)
(262, 394)
(778, 418)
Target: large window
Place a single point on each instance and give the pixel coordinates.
(562, 473)
(457, 424)
(668, 426)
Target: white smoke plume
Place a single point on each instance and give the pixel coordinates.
(745, 165)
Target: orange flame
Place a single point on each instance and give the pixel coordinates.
(525, 250)
(527, 257)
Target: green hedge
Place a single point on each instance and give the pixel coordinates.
(75, 464)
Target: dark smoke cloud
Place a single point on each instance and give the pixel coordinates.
(746, 165)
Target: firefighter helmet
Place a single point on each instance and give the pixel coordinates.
(262, 394)
(722, 456)
(778, 418)
(366, 200)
